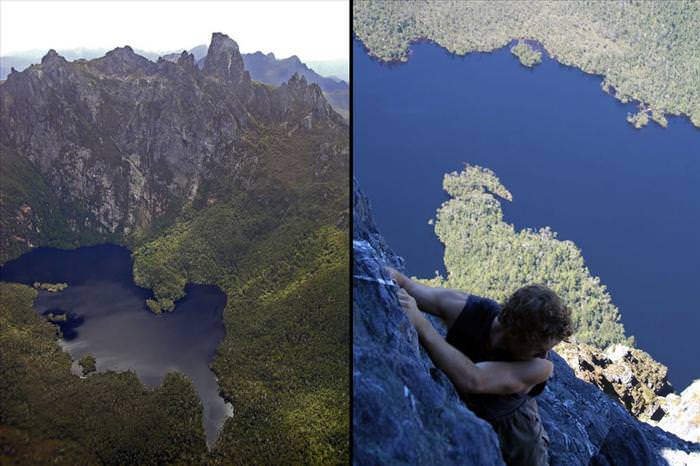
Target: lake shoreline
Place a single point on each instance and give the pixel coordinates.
(98, 308)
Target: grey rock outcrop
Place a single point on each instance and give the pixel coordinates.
(124, 62)
(297, 90)
(683, 413)
(224, 61)
(406, 411)
(269, 69)
(627, 374)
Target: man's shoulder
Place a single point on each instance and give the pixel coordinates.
(476, 303)
(469, 332)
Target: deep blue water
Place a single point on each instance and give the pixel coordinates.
(108, 319)
(628, 198)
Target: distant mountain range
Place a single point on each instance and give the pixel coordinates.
(22, 61)
(265, 68)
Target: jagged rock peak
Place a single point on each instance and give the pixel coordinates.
(220, 41)
(125, 51)
(297, 80)
(299, 87)
(125, 54)
(186, 59)
(52, 57)
(123, 61)
(224, 59)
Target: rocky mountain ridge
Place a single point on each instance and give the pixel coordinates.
(122, 140)
(407, 412)
(263, 67)
(272, 70)
(268, 69)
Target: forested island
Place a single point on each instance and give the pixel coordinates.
(645, 51)
(88, 364)
(50, 287)
(527, 55)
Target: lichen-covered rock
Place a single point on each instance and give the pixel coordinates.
(628, 374)
(406, 411)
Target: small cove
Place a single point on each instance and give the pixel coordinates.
(107, 317)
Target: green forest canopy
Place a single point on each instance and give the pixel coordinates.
(646, 50)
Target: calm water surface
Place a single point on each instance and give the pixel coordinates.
(108, 319)
(628, 198)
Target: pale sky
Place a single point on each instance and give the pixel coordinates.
(313, 30)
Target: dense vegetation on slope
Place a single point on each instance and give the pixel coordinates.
(281, 260)
(647, 50)
(486, 256)
(107, 418)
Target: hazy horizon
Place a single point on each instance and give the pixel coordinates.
(38, 53)
(31, 28)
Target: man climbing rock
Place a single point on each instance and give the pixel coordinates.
(496, 356)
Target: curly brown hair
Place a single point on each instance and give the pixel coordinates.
(536, 313)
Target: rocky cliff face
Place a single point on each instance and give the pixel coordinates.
(407, 412)
(121, 141)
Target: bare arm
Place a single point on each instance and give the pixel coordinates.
(441, 302)
(494, 377)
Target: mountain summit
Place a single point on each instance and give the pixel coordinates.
(224, 61)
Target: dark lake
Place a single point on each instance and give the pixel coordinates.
(628, 198)
(108, 319)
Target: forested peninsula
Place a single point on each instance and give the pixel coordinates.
(647, 52)
(487, 256)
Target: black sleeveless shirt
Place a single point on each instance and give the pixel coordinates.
(470, 335)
